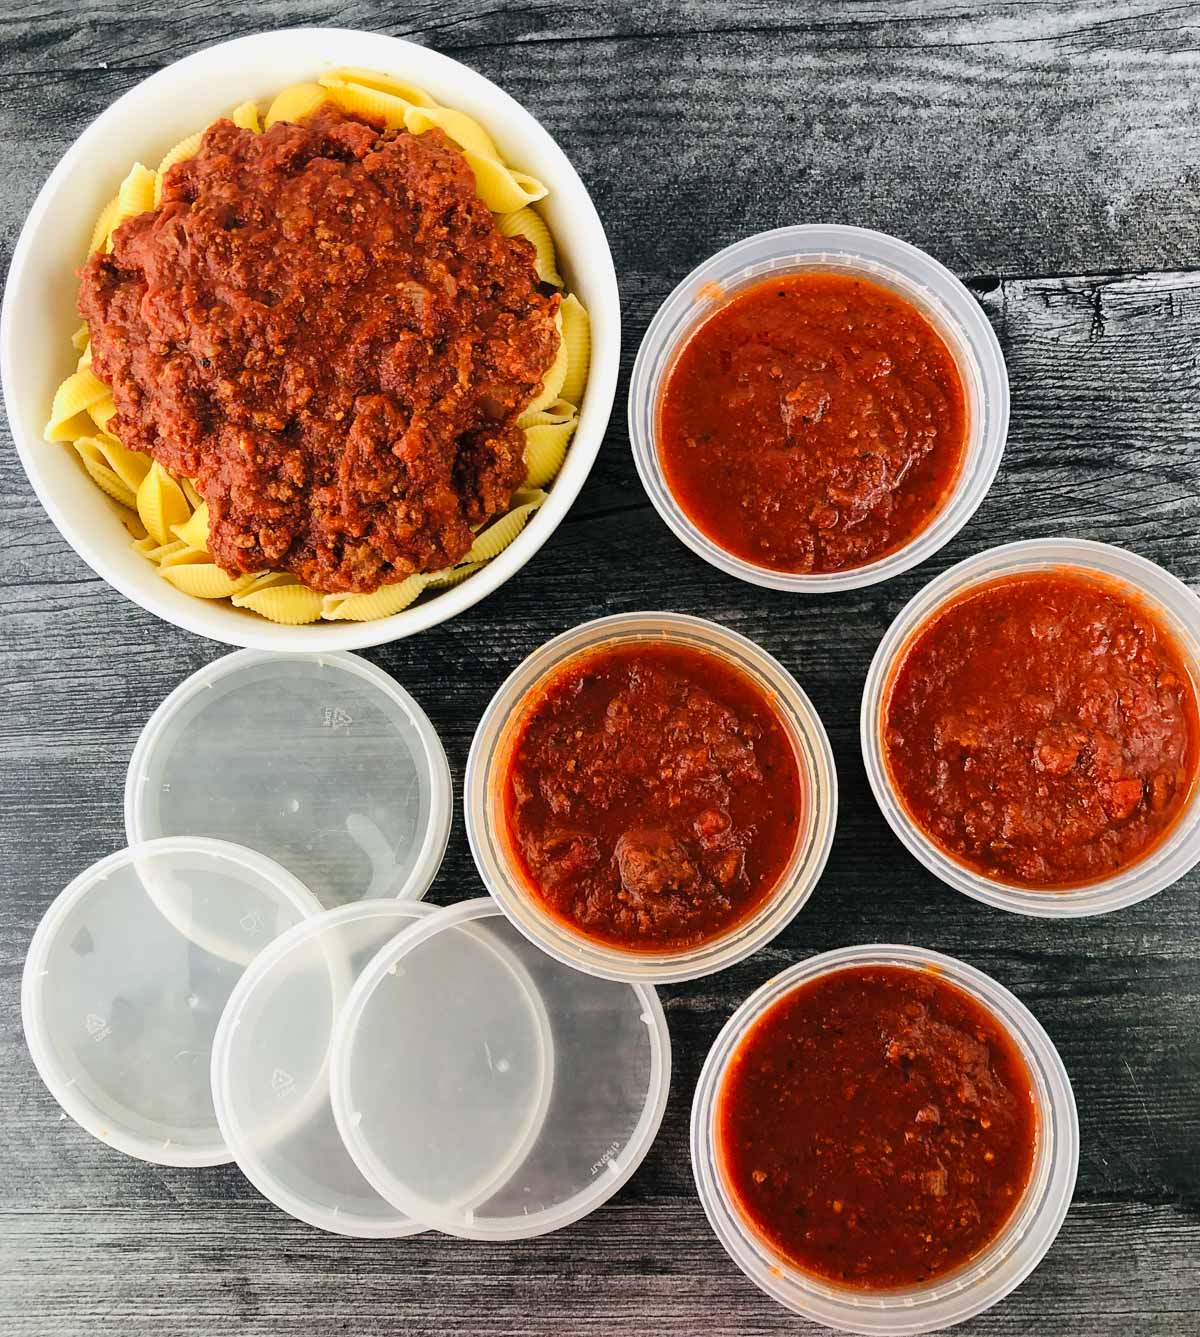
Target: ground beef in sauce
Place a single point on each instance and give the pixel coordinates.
(653, 796)
(877, 1126)
(1043, 729)
(813, 422)
(323, 328)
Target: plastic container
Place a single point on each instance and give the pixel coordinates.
(489, 1092)
(1171, 602)
(979, 1284)
(126, 979)
(153, 115)
(484, 792)
(270, 1069)
(322, 762)
(930, 286)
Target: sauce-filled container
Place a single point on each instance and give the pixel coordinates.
(839, 359)
(880, 1218)
(650, 797)
(1030, 730)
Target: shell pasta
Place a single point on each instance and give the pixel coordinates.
(165, 514)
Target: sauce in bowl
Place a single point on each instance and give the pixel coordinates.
(877, 1126)
(652, 797)
(815, 422)
(1042, 729)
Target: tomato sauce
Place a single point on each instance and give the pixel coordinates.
(652, 796)
(877, 1127)
(815, 422)
(322, 327)
(1043, 730)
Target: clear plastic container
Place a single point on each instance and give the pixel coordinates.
(489, 1092)
(484, 792)
(322, 762)
(270, 1069)
(1171, 602)
(930, 286)
(979, 1284)
(126, 979)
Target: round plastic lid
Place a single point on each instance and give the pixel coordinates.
(270, 1069)
(322, 762)
(489, 1091)
(126, 980)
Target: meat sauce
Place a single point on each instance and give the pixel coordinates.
(652, 796)
(813, 423)
(877, 1127)
(323, 328)
(1043, 730)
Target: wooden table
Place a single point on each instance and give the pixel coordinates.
(1048, 153)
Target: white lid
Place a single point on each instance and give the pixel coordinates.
(322, 762)
(489, 1091)
(126, 979)
(270, 1069)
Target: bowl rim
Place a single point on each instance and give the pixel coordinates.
(1173, 603)
(917, 276)
(328, 46)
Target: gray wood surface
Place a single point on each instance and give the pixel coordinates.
(1050, 154)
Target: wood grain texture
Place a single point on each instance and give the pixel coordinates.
(1048, 153)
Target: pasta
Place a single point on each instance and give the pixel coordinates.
(553, 383)
(245, 117)
(161, 503)
(466, 133)
(186, 148)
(501, 189)
(577, 345)
(165, 515)
(136, 195)
(530, 225)
(383, 83)
(295, 103)
(546, 449)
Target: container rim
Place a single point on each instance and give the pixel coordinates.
(914, 274)
(482, 790)
(1173, 602)
(971, 1289)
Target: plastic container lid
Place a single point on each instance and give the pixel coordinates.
(322, 762)
(270, 1069)
(126, 979)
(488, 1091)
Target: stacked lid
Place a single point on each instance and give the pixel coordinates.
(376, 1067)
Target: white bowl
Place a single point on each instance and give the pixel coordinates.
(39, 313)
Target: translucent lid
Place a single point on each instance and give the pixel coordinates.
(322, 762)
(488, 1091)
(270, 1069)
(126, 979)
